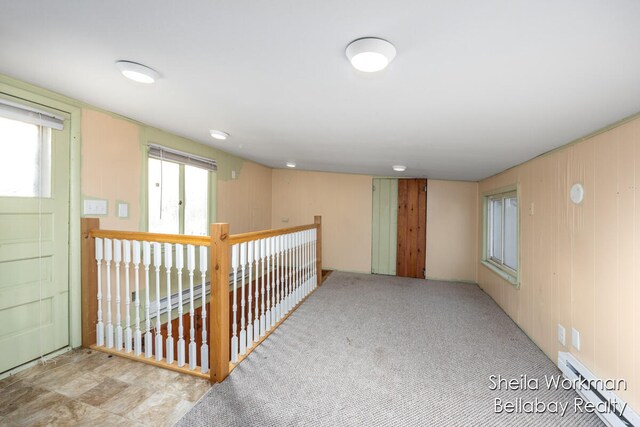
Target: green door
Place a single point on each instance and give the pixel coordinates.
(385, 226)
(34, 237)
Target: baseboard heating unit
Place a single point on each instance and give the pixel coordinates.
(598, 393)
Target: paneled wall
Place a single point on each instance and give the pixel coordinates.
(452, 230)
(579, 264)
(345, 203)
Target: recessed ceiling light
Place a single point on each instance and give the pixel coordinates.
(218, 134)
(399, 168)
(137, 72)
(291, 165)
(370, 54)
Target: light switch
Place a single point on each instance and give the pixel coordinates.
(575, 338)
(561, 334)
(123, 210)
(95, 207)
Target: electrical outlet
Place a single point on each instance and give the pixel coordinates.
(575, 338)
(561, 334)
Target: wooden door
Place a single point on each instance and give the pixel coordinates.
(412, 222)
(34, 241)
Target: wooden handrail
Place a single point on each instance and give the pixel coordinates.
(255, 235)
(152, 237)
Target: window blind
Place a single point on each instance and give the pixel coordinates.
(162, 153)
(27, 114)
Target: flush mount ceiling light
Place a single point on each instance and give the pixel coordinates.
(137, 72)
(370, 54)
(399, 168)
(218, 134)
(291, 165)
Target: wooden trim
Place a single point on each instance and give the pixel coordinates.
(232, 366)
(89, 281)
(152, 361)
(152, 237)
(255, 235)
(219, 352)
(317, 220)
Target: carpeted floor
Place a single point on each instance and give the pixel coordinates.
(368, 350)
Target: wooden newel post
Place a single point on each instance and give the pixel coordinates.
(219, 354)
(89, 280)
(318, 221)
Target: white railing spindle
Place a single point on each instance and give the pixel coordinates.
(273, 281)
(278, 264)
(137, 335)
(168, 263)
(204, 349)
(262, 307)
(268, 311)
(234, 305)
(148, 338)
(108, 256)
(191, 266)
(117, 259)
(126, 249)
(256, 322)
(99, 325)
(157, 261)
(179, 266)
(250, 296)
(243, 332)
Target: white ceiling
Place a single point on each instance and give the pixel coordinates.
(476, 87)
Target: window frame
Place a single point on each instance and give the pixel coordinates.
(181, 193)
(493, 263)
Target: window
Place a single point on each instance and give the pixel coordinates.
(501, 234)
(178, 192)
(25, 140)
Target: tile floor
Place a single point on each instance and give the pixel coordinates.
(86, 387)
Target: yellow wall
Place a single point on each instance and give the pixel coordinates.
(245, 202)
(579, 264)
(452, 230)
(345, 203)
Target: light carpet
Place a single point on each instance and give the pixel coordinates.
(370, 350)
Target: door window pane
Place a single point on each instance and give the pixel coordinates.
(196, 189)
(496, 229)
(164, 197)
(25, 166)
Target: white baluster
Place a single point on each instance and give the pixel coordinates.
(305, 237)
(126, 248)
(234, 305)
(191, 266)
(146, 261)
(137, 335)
(290, 272)
(204, 348)
(250, 295)
(278, 264)
(99, 325)
(108, 257)
(157, 261)
(314, 278)
(256, 322)
(273, 281)
(298, 269)
(168, 263)
(285, 274)
(117, 259)
(262, 305)
(268, 272)
(243, 332)
(179, 267)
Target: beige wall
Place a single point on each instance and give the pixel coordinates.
(345, 203)
(452, 230)
(245, 202)
(111, 159)
(579, 264)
